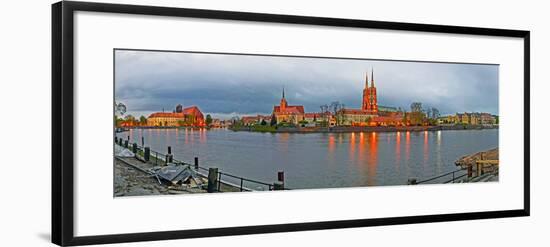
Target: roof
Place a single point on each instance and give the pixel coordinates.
(354, 111)
(192, 110)
(387, 108)
(167, 114)
(312, 115)
(317, 114)
(291, 109)
(249, 118)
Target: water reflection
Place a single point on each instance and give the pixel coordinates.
(426, 147)
(322, 159)
(331, 144)
(397, 149)
(407, 147)
(373, 159)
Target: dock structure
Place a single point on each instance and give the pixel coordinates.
(478, 167)
(480, 164)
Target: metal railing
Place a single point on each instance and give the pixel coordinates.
(452, 174)
(230, 182)
(472, 172)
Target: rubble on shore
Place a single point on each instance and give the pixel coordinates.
(135, 178)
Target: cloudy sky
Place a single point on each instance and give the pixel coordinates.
(227, 85)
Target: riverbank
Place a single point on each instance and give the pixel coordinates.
(135, 176)
(349, 129)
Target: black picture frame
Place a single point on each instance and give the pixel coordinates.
(63, 125)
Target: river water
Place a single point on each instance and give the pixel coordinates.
(321, 160)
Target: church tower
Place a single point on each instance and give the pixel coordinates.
(373, 100)
(370, 103)
(366, 92)
(283, 103)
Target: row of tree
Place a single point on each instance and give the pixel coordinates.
(130, 120)
(421, 116)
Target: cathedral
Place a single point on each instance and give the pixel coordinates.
(370, 113)
(370, 104)
(288, 113)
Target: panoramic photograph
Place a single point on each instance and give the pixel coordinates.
(195, 122)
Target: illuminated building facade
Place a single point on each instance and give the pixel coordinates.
(190, 116)
(283, 112)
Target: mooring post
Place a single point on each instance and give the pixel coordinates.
(169, 156)
(120, 141)
(116, 139)
(142, 141)
(281, 177)
(146, 153)
(134, 148)
(412, 181)
(196, 163)
(126, 144)
(212, 179)
(278, 186)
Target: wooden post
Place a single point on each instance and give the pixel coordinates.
(146, 153)
(241, 184)
(280, 179)
(278, 186)
(196, 163)
(212, 179)
(134, 148)
(169, 158)
(120, 141)
(478, 169)
(169, 150)
(126, 144)
(281, 176)
(142, 141)
(470, 171)
(116, 139)
(480, 166)
(219, 181)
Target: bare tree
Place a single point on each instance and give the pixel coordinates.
(324, 115)
(416, 107)
(120, 109)
(417, 114)
(337, 111)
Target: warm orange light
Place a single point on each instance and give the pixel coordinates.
(331, 143)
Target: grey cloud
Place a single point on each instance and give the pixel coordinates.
(228, 84)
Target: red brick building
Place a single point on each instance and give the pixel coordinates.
(370, 104)
(190, 116)
(288, 113)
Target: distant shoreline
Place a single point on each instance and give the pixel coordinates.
(349, 129)
(346, 129)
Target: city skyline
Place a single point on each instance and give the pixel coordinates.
(227, 85)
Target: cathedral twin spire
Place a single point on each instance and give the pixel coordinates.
(371, 78)
(370, 103)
